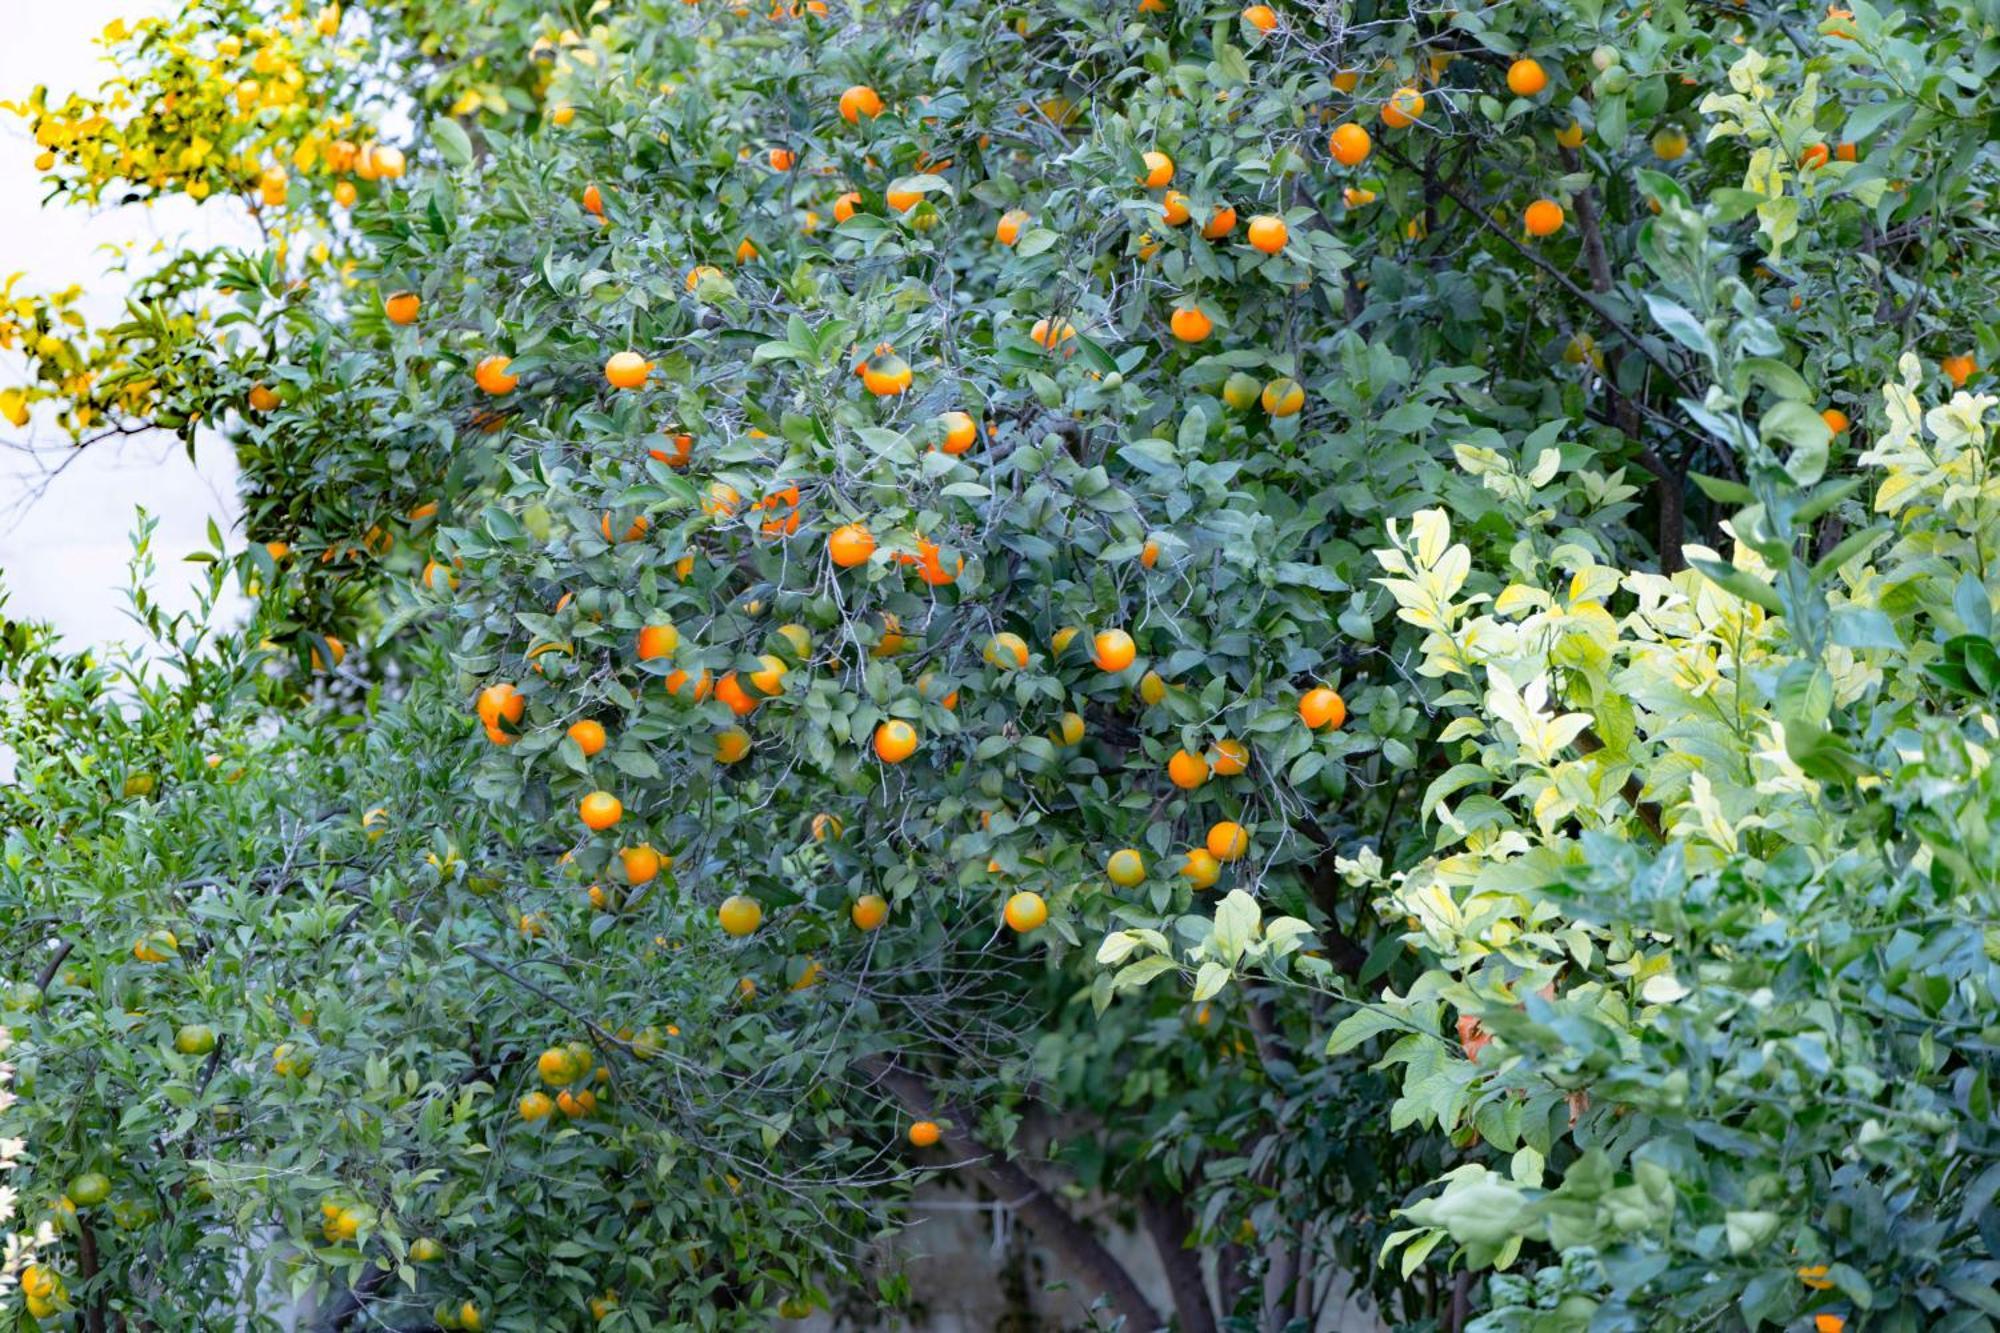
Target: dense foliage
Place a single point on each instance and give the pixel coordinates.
(1357, 635)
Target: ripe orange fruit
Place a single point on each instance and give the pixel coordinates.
(1814, 157)
(1227, 758)
(1958, 369)
(1159, 171)
(732, 745)
(1152, 690)
(770, 678)
(870, 910)
(1261, 17)
(1007, 650)
(925, 1134)
(491, 375)
(1847, 152)
(1268, 233)
(859, 101)
(1669, 144)
(402, 307)
(1836, 420)
(558, 1067)
(885, 374)
(1322, 707)
(657, 641)
(895, 741)
(593, 202)
(1404, 108)
(1544, 217)
(627, 370)
(1113, 650)
(826, 826)
(680, 453)
(600, 810)
(1227, 841)
(1200, 869)
(850, 545)
(1026, 911)
(641, 864)
(1526, 77)
(739, 915)
(1350, 144)
(960, 432)
(1570, 135)
(536, 1106)
(902, 200)
(500, 703)
(1125, 868)
(1283, 397)
(1048, 334)
(1190, 325)
(1008, 229)
(1174, 205)
(576, 1105)
(262, 399)
(1187, 771)
(781, 159)
(843, 207)
(1070, 729)
(700, 271)
(730, 690)
(1220, 223)
(588, 735)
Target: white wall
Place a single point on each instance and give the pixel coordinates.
(62, 556)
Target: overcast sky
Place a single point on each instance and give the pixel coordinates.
(63, 560)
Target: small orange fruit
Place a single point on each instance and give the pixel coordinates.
(885, 374)
(1174, 205)
(627, 370)
(1544, 217)
(1570, 135)
(1814, 157)
(1350, 144)
(600, 810)
(1322, 707)
(1404, 108)
(1026, 911)
(641, 864)
(960, 432)
(588, 735)
(1220, 223)
(1227, 841)
(501, 703)
(593, 201)
(843, 207)
(781, 159)
(1190, 324)
(1187, 771)
(925, 1134)
(1268, 233)
(657, 641)
(895, 741)
(1125, 868)
(1261, 17)
(1049, 334)
(1283, 397)
(870, 910)
(859, 101)
(1847, 152)
(1958, 369)
(1228, 758)
(1526, 77)
(536, 1106)
(1836, 420)
(1007, 650)
(739, 915)
(491, 375)
(1113, 650)
(731, 745)
(1200, 869)
(729, 690)
(850, 545)
(1008, 229)
(402, 307)
(1159, 171)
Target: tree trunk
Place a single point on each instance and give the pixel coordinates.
(1013, 1186)
(1168, 1223)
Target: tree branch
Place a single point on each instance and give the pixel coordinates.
(1168, 1222)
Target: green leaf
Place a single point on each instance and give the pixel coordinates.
(454, 145)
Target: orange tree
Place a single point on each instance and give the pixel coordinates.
(873, 516)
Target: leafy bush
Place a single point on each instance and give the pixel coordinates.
(809, 565)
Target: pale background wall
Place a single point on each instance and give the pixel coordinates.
(62, 557)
